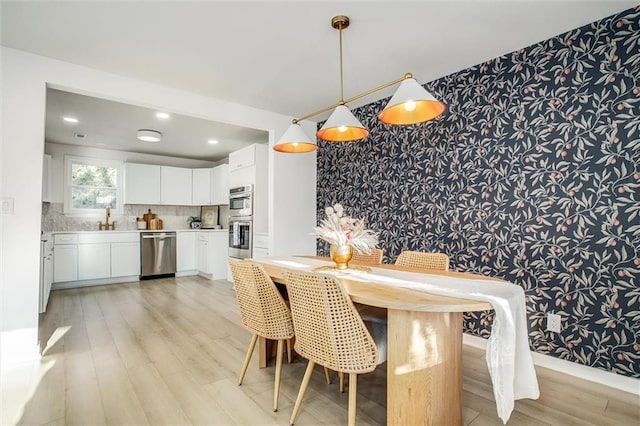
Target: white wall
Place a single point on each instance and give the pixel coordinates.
(24, 81)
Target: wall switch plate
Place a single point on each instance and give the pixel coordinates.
(554, 323)
(7, 205)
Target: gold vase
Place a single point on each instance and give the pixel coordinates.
(341, 255)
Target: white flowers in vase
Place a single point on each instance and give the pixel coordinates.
(341, 230)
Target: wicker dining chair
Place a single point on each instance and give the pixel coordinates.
(423, 260)
(330, 332)
(373, 258)
(263, 311)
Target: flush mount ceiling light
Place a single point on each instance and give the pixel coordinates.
(147, 135)
(411, 104)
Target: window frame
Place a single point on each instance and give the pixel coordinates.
(69, 161)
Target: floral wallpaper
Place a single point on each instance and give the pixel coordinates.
(531, 175)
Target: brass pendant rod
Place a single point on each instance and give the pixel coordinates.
(353, 98)
(341, 69)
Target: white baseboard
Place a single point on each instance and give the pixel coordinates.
(89, 283)
(623, 383)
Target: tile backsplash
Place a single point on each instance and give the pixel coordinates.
(173, 217)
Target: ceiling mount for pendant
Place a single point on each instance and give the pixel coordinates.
(411, 104)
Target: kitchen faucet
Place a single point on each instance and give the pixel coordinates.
(107, 225)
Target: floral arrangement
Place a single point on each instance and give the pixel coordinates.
(341, 230)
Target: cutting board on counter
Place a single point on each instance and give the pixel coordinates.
(155, 224)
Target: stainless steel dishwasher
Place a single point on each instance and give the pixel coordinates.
(158, 254)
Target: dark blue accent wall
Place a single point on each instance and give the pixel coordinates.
(531, 175)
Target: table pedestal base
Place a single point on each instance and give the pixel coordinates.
(424, 369)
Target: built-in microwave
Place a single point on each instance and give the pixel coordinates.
(241, 201)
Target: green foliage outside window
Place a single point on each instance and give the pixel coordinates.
(93, 187)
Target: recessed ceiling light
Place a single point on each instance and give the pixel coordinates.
(213, 142)
(162, 115)
(147, 135)
(70, 119)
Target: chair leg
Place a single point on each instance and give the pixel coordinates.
(353, 388)
(252, 345)
(289, 351)
(276, 390)
(327, 377)
(303, 389)
(341, 375)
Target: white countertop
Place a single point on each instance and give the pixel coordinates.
(140, 230)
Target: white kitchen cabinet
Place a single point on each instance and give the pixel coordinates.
(255, 174)
(94, 261)
(176, 186)
(202, 187)
(141, 184)
(186, 259)
(65, 262)
(220, 185)
(90, 256)
(125, 259)
(242, 158)
(46, 274)
(260, 246)
(204, 259)
(212, 254)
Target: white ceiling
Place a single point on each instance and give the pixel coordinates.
(113, 125)
(282, 56)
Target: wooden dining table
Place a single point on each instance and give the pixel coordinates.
(424, 344)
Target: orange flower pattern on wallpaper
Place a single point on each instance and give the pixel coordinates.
(531, 175)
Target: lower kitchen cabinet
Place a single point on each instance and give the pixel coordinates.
(103, 256)
(212, 254)
(125, 259)
(186, 249)
(65, 263)
(94, 261)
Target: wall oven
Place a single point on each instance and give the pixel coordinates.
(241, 201)
(240, 230)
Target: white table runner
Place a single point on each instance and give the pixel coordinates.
(508, 354)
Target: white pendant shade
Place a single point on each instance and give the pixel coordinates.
(342, 126)
(295, 140)
(411, 104)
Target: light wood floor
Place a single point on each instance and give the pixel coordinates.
(169, 351)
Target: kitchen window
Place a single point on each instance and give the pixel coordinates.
(92, 185)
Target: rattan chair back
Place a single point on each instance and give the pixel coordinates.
(262, 308)
(329, 330)
(423, 260)
(373, 258)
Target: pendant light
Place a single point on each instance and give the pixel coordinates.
(411, 104)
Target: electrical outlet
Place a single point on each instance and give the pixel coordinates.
(132, 219)
(7, 206)
(554, 323)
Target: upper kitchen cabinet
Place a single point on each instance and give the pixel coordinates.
(175, 186)
(141, 184)
(249, 166)
(220, 185)
(242, 158)
(151, 184)
(202, 187)
(211, 186)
